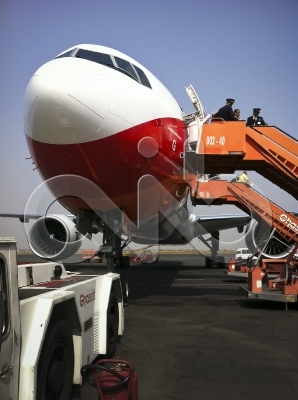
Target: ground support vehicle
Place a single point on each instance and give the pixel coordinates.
(271, 267)
(279, 289)
(244, 254)
(224, 147)
(51, 323)
(283, 288)
(237, 269)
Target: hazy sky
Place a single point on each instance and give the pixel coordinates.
(246, 50)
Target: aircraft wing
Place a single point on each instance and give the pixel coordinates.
(221, 222)
(22, 217)
(25, 218)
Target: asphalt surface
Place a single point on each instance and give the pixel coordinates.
(191, 334)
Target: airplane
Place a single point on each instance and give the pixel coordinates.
(109, 140)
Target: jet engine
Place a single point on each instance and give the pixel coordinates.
(257, 235)
(54, 237)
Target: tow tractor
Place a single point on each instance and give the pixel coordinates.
(52, 322)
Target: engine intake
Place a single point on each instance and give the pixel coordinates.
(257, 235)
(54, 237)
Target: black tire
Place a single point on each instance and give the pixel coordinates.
(221, 262)
(122, 262)
(125, 288)
(208, 262)
(126, 262)
(56, 363)
(112, 325)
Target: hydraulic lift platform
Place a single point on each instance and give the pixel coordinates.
(269, 294)
(219, 192)
(222, 147)
(284, 288)
(271, 267)
(237, 270)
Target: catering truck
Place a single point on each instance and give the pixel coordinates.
(52, 322)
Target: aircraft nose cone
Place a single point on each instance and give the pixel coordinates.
(65, 106)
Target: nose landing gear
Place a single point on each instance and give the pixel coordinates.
(112, 251)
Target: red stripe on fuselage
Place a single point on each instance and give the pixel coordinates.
(114, 163)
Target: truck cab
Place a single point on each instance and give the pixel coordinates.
(51, 323)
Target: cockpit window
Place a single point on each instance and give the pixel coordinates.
(65, 54)
(99, 58)
(126, 66)
(143, 77)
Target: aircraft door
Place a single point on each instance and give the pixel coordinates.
(6, 336)
(195, 127)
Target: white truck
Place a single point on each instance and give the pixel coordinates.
(51, 323)
(243, 254)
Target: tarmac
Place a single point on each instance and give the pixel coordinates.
(190, 333)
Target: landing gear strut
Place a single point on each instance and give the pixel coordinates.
(215, 261)
(112, 251)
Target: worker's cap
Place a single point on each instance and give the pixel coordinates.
(230, 100)
(257, 109)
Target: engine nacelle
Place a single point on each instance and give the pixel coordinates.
(54, 237)
(257, 235)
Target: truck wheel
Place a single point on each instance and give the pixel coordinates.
(56, 363)
(124, 287)
(112, 324)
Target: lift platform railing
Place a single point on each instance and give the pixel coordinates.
(220, 192)
(229, 146)
(279, 153)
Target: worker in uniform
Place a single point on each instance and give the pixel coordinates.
(226, 112)
(237, 113)
(255, 119)
(291, 267)
(243, 178)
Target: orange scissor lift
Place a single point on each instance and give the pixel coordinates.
(224, 147)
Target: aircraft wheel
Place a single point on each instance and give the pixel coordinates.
(221, 262)
(126, 261)
(149, 258)
(208, 262)
(122, 262)
(56, 363)
(112, 325)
